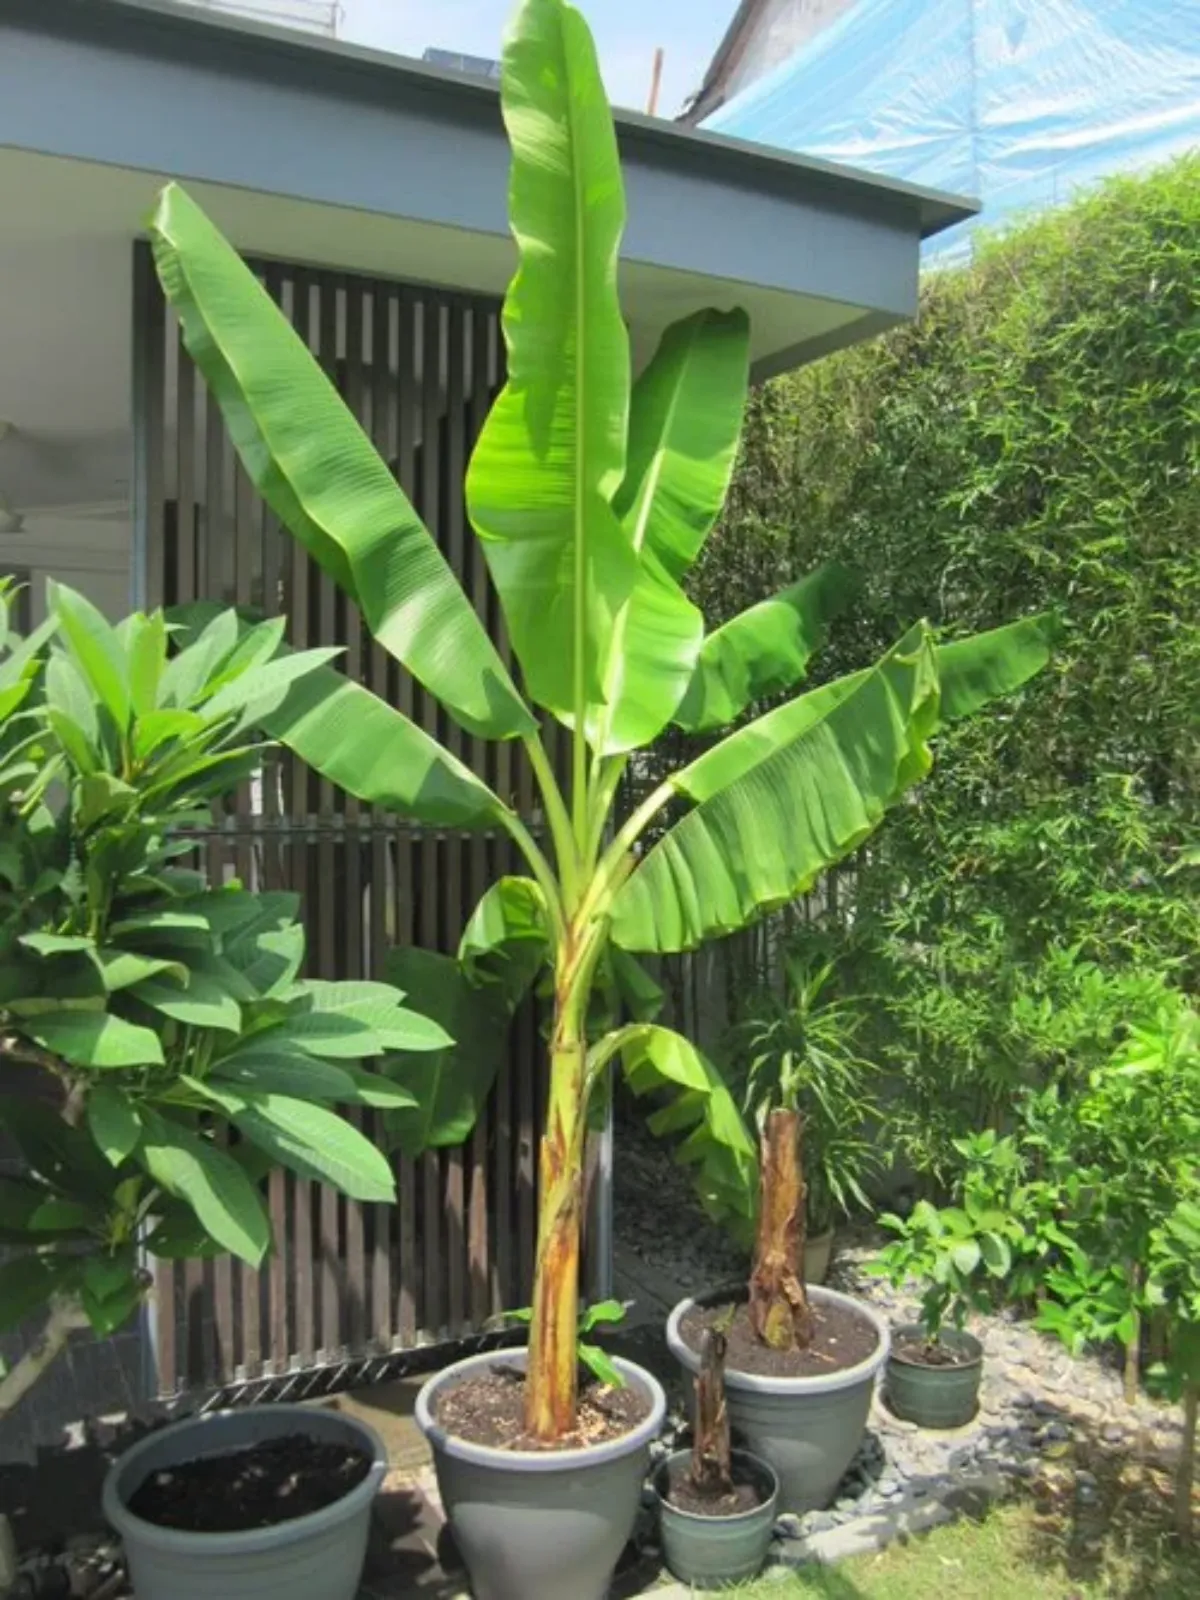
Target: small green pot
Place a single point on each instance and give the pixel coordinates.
(709, 1552)
(818, 1250)
(933, 1396)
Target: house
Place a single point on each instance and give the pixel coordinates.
(761, 35)
(1014, 101)
(370, 191)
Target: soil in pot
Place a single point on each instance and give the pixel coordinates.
(922, 1353)
(489, 1409)
(751, 1489)
(841, 1339)
(259, 1487)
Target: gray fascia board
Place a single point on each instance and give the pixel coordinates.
(187, 34)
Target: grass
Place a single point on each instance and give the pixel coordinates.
(1018, 1551)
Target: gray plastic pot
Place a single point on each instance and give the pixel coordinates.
(934, 1397)
(818, 1252)
(710, 1551)
(316, 1557)
(539, 1524)
(806, 1428)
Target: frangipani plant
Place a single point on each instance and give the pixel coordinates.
(159, 1051)
(591, 496)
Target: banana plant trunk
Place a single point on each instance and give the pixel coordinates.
(711, 1471)
(552, 1379)
(779, 1308)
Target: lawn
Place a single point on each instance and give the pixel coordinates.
(1013, 1554)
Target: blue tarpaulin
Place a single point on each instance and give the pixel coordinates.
(1016, 102)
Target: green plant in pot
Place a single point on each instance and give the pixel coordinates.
(716, 1505)
(160, 1053)
(961, 1256)
(591, 496)
(799, 1051)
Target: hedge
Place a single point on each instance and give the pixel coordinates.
(1031, 442)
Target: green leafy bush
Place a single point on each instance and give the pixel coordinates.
(159, 1052)
(1031, 441)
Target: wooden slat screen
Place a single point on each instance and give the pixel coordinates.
(419, 368)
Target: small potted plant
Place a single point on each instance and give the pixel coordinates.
(961, 1254)
(716, 1505)
(800, 1049)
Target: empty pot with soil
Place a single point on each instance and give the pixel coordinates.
(538, 1521)
(272, 1502)
(934, 1382)
(801, 1360)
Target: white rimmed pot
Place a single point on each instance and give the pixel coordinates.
(315, 1557)
(809, 1428)
(539, 1524)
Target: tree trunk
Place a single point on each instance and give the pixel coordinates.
(710, 1444)
(550, 1394)
(779, 1307)
(1187, 1462)
(66, 1316)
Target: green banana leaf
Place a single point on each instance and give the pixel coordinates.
(507, 940)
(987, 666)
(769, 826)
(764, 650)
(684, 423)
(715, 1144)
(552, 452)
(316, 468)
(796, 790)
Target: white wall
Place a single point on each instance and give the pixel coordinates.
(90, 549)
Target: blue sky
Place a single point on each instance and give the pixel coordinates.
(627, 32)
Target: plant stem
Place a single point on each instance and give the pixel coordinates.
(1187, 1462)
(711, 1472)
(66, 1316)
(550, 1395)
(557, 818)
(779, 1307)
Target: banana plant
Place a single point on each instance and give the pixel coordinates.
(591, 495)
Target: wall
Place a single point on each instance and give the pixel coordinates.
(88, 548)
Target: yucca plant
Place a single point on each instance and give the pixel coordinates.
(591, 497)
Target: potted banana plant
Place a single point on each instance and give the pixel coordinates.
(716, 1505)
(591, 496)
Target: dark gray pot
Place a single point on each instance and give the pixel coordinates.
(710, 1551)
(539, 1524)
(317, 1557)
(818, 1252)
(806, 1428)
(935, 1397)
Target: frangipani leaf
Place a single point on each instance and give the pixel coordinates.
(552, 452)
(318, 471)
(763, 651)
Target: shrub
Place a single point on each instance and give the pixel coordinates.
(1030, 441)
